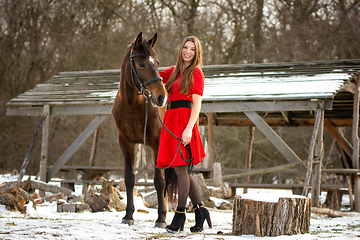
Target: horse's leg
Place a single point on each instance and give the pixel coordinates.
(127, 150)
(159, 182)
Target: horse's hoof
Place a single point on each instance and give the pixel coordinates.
(160, 224)
(128, 222)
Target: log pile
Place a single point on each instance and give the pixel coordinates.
(104, 199)
(13, 196)
(16, 194)
(288, 216)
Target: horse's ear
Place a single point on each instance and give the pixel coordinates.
(153, 40)
(138, 41)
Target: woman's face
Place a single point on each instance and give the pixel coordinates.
(188, 52)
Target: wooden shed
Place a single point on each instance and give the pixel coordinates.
(263, 95)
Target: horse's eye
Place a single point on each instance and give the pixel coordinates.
(141, 65)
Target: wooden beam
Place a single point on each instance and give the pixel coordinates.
(349, 87)
(44, 146)
(82, 110)
(24, 111)
(338, 137)
(75, 146)
(269, 106)
(284, 149)
(286, 116)
(242, 121)
(95, 109)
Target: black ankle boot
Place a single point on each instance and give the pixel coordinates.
(201, 213)
(178, 221)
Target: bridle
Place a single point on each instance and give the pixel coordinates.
(142, 84)
(147, 94)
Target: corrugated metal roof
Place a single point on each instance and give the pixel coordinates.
(269, 86)
(256, 82)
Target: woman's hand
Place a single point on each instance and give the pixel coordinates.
(186, 136)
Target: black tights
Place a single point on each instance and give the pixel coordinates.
(187, 186)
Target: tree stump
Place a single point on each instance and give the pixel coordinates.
(333, 199)
(204, 191)
(288, 216)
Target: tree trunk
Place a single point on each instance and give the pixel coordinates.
(286, 217)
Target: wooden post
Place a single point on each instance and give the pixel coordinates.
(44, 147)
(218, 179)
(249, 154)
(355, 138)
(92, 157)
(28, 155)
(346, 164)
(311, 152)
(211, 139)
(94, 147)
(205, 162)
(319, 158)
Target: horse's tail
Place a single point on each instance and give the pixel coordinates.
(170, 184)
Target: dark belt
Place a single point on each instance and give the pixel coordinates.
(179, 103)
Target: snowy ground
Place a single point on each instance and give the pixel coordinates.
(46, 223)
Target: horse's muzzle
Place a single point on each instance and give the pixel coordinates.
(159, 101)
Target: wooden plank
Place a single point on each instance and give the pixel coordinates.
(267, 106)
(75, 145)
(259, 171)
(282, 186)
(283, 148)
(311, 152)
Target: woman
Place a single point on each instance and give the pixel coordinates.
(185, 84)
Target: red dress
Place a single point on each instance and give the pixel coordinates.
(176, 121)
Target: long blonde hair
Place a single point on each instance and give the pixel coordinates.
(187, 77)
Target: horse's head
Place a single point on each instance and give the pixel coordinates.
(145, 70)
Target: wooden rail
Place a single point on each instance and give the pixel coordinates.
(206, 171)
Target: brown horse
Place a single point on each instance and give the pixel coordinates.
(140, 82)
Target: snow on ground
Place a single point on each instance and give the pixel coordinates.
(46, 223)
